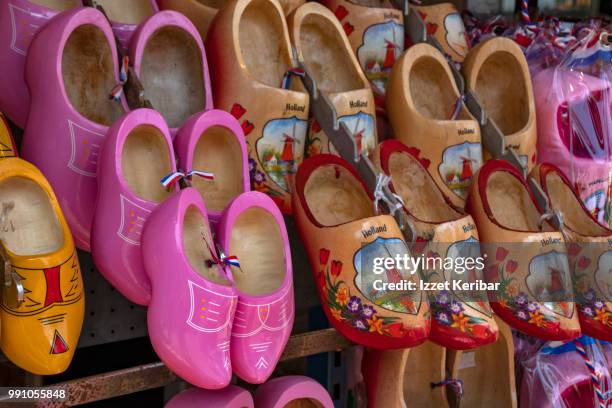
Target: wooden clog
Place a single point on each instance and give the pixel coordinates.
(322, 45)
(375, 30)
(343, 236)
(421, 102)
(525, 255)
(231, 396)
(39, 334)
(7, 144)
(589, 252)
(125, 16)
(292, 391)
(250, 54)
(445, 24)
(496, 71)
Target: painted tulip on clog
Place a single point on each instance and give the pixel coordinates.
(344, 237)
(496, 72)
(125, 16)
(253, 230)
(231, 396)
(7, 144)
(322, 45)
(524, 254)
(192, 301)
(41, 333)
(71, 70)
(19, 21)
(292, 391)
(213, 142)
(427, 112)
(169, 58)
(137, 153)
(251, 65)
(460, 319)
(589, 252)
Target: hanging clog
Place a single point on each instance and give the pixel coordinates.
(7, 144)
(125, 16)
(292, 391)
(231, 396)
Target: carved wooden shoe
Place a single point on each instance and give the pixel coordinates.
(7, 144)
(231, 396)
(375, 30)
(169, 58)
(426, 112)
(125, 16)
(343, 236)
(525, 255)
(496, 71)
(250, 54)
(70, 113)
(19, 21)
(445, 24)
(322, 45)
(39, 334)
(292, 391)
(461, 319)
(589, 253)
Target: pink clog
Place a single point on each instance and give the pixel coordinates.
(70, 70)
(137, 153)
(125, 16)
(213, 141)
(229, 397)
(292, 390)
(169, 58)
(252, 229)
(19, 21)
(192, 302)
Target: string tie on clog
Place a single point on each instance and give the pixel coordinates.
(174, 177)
(382, 181)
(593, 373)
(117, 91)
(221, 259)
(457, 107)
(454, 384)
(286, 82)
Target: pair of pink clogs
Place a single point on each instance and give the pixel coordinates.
(20, 20)
(291, 391)
(72, 69)
(154, 243)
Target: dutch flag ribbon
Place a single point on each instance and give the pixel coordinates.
(174, 177)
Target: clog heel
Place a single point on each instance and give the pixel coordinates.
(125, 16)
(7, 144)
(292, 391)
(231, 396)
(136, 155)
(36, 245)
(323, 46)
(71, 70)
(250, 55)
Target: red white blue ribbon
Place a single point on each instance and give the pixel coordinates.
(174, 177)
(286, 82)
(117, 91)
(230, 260)
(595, 376)
(525, 11)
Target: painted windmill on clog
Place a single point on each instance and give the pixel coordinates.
(288, 156)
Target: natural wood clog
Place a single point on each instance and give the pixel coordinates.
(7, 144)
(250, 54)
(525, 255)
(496, 71)
(343, 237)
(589, 252)
(40, 334)
(445, 24)
(421, 102)
(126, 16)
(324, 48)
(375, 30)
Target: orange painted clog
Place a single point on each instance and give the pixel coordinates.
(7, 144)
(40, 333)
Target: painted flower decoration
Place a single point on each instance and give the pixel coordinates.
(336, 268)
(443, 317)
(588, 311)
(360, 324)
(323, 256)
(533, 307)
(521, 299)
(367, 311)
(443, 298)
(259, 177)
(354, 304)
(376, 325)
(336, 313)
(521, 314)
(456, 307)
(342, 296)
(589, 296)
(584, 262)
(501, 254)
(252, 165)
(511, 266)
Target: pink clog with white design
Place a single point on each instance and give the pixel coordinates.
(213, 141)
(19, 21)
(137, 153)
(125, 16)
(252, 229)
(71, 69)
(231, 396)
(169, 58)
(292, 391)
(192, 300)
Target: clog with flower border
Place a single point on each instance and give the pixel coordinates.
(231, 396)
(253, 230)
(496, 71)
(460, 319)
(125, 16)
(213, 142)
(70, 112)
(192, 300)
(524, 254)
(168, 56)
(252, 69)
(589, 252)
(343, 235)
(7, 144)
(40, 334)
(19, 21)
(137, 153)
(426, 112)
(320, 42)
(292, 391)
